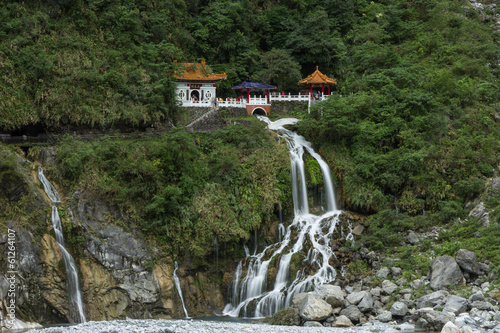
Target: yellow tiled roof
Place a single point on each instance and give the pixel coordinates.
(197, 72)
(317, 78)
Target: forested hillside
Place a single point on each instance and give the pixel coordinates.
(413, 130)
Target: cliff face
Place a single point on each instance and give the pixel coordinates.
(121, 275)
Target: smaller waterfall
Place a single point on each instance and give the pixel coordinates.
(178, 286)
(75, 295)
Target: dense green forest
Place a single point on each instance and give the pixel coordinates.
(412, 132)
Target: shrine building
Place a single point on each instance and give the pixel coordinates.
(316, 80)
(195, 85)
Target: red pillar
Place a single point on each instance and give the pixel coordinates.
(241, 95)
(323, 88)
(267, 96)
(329, 90)
(311, 90)
(248, 96)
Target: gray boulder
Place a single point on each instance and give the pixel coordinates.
(342, 321)
(388, 287)
(384, 317)
(467, 260)
(366, 303)
(376, 291)
(396, 271)
(429, 319)
(313, 308)
(482, 305)
(455, 304)
(444, 271)
(412, 238)
(356, 297)
(449, 327)
(297, 299)
(333, 295)
(352, 312)
(399, 309)
(437, 298)
(476, 297)
(383, 272)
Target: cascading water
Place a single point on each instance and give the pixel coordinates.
(75, 295)
(178, 286)
(251, 297)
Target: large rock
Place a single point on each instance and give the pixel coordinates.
(356, 297)
(333, 295)
(384, 317)
(467, 260)
(399, 309)
(449, 327)
(429, 319)
(383, 272)
(444, 271)
(313, 308)
(352, 312)
(342, 321)
(297, 299)
(366, 303)
(412, 238)
(455, 304)
(388, 287)
(437, 298)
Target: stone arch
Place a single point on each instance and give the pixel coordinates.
(259, 111)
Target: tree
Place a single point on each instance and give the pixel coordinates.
(281, 69)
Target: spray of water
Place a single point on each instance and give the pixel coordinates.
(251, 295)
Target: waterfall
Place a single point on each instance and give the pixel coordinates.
(75, 295)
(251, 296)
(178, 286)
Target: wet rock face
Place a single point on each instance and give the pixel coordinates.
(13, 187)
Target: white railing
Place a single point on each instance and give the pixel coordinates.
(258, 100)
(289, 98)
(197, 104)
(232, 103)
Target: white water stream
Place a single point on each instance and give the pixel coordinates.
(178, 286)
(75, 295)
(252, 296)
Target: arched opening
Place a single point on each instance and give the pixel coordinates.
(195, 96)
(259, 111)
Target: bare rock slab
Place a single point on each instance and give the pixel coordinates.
(444, 271)
(313, 308)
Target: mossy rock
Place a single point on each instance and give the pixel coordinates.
(287, 317)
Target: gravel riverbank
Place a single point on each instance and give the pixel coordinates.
(198, 326)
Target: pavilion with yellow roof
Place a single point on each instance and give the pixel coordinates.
(317, 79)
(195, 84)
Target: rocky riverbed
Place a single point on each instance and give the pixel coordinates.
(454, 297)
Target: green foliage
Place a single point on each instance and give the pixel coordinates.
(359, 268)
(184, 190)
(280, 69)
(97, 65)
